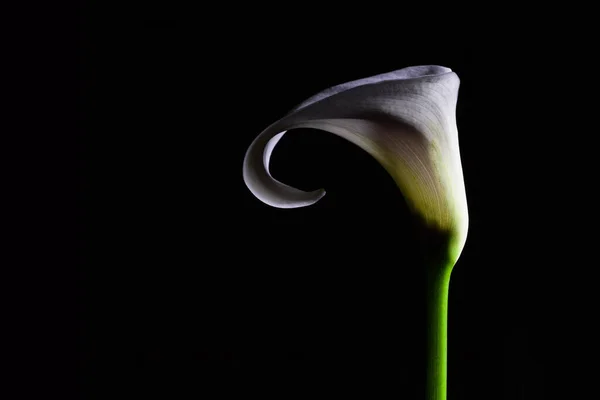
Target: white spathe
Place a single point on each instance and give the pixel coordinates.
(406, 119)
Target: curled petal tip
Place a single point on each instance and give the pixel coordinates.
(261, 183)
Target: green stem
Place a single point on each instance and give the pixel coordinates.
(438, 281)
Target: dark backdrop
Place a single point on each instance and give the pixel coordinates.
(192, 288)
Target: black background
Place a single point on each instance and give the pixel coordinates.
(192, 288)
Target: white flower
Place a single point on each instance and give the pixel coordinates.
(406, 119)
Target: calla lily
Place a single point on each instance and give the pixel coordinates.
(406, 119)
